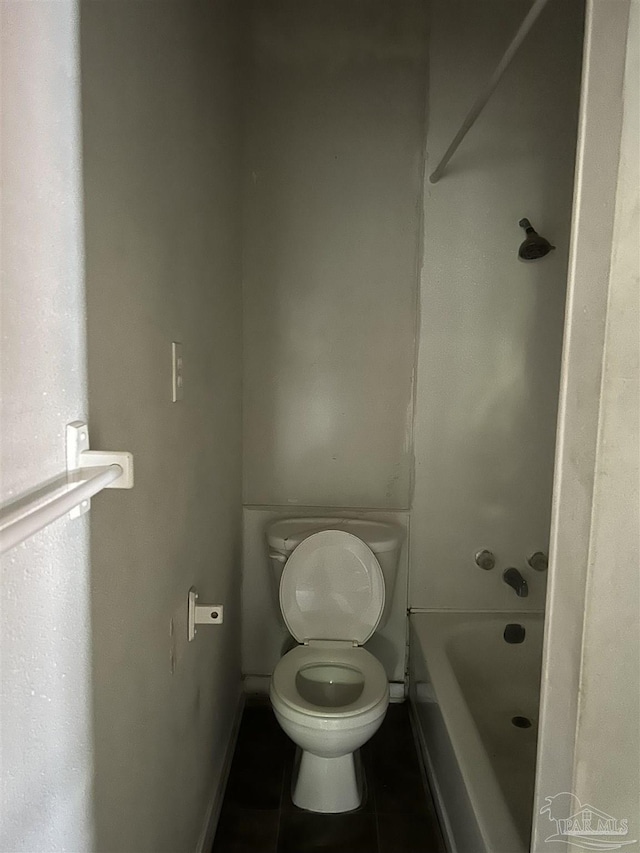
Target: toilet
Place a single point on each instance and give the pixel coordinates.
(328, 693)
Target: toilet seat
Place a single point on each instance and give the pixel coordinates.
(286, 696)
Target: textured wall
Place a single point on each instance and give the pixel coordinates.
(334, 149)
(161, 124)
(610, 676)
(590, 710)
(45, 702)
(491, 325)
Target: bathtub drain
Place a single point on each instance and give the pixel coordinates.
(521, 722)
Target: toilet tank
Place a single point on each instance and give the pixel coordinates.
(384, 539)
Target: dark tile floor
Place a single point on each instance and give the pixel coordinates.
(397, 815)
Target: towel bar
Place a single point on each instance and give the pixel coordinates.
(88, 472)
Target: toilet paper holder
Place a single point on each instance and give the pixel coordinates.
(201, 614)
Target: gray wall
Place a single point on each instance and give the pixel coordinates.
(334, 150)
(45, 634)
(161, 180)
(491, 325)
(334, 107)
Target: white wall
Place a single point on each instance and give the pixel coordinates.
(491, 325)
(590, 711)
(161, 142)
(334, 150)
(45, 703)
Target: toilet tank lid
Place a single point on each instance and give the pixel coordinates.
(286, 534)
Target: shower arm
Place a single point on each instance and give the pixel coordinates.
(480, 103)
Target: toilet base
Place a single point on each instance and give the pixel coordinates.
(327, 785)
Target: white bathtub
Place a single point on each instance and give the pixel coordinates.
(466, 685)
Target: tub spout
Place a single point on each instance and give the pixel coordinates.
(514, 579)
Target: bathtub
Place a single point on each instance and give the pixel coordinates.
(472, 697)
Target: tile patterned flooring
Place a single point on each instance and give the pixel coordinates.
(258, 816)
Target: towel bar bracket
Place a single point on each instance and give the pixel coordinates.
(80, 457)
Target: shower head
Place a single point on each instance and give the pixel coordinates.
(533, 246)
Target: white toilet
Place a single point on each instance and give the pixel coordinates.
(329, 694)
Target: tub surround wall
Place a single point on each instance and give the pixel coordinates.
(491, 325)
(333, 185)
(161, 139)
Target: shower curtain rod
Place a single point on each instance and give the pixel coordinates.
(480, 103)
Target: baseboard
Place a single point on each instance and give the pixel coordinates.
(205, 842)
(258, 685)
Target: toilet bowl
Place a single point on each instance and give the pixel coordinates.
(329, 694)
(330, 700)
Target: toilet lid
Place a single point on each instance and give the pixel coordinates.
(332, 588)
